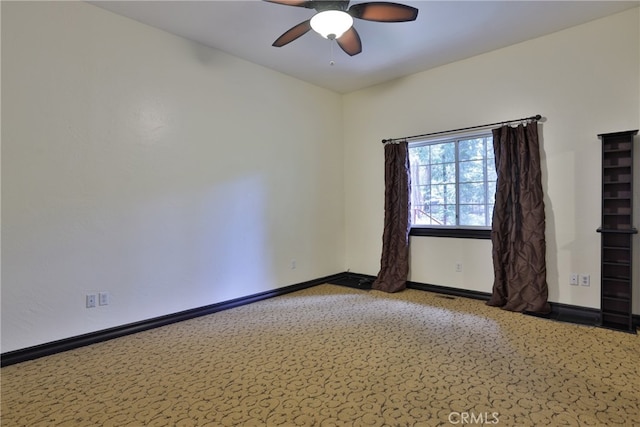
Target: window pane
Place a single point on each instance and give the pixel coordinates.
(419, 216)
(491, 170)
(438, 195)
(419, 195)
(423, 175)
(450, 215)
(473, 215)
(419, 155)
(426, 199)
(491, 193)
(443, 194)
(472, 171)
(443, 153)
(471, 149)
(443, 215)
(443, 173)
(490, 152)
(436, 215)
(472, 193)
(450, 193)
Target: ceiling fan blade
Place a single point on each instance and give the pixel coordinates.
(299, 3)
(382, 11)
(293, 33)
(350, 42)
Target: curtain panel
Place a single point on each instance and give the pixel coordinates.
(394, 261)
(518, 228)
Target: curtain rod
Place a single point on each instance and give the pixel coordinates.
(536, 117)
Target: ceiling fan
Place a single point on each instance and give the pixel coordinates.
(334, 20)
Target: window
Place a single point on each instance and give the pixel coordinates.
(453, 185)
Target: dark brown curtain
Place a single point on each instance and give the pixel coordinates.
(394, 262)
(517, 235)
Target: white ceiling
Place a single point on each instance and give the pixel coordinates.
(445, 31)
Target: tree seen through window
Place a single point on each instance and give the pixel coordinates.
(453, 182)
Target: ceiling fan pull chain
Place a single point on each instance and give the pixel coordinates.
(331, 61)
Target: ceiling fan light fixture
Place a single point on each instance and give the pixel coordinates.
(331, 24)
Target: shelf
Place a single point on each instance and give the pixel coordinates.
(626, 180)
(616, 281)
(617, 230)
(617, 240)
(619, 191)
(617, 315)
(618, 263)
(615, 300)
(616, 150)
(616, 248)
(616, 166)
(617, 147)
(620, 228)
(632, 230)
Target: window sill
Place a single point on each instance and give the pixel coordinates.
(460, 233)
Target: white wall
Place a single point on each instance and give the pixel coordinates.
(169, 174)
(584, 81)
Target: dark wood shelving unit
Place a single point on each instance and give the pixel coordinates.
(617, 230)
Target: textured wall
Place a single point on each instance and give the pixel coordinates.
(168, 174)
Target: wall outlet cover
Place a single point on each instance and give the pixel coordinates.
(90, 300)
(103, 298)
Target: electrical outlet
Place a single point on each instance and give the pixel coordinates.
(91, 300)
(573, 279)
(103, 298)
(585, 280)
(293, 264)
(458, 266)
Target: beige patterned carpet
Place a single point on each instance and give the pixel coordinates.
(336, 356)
